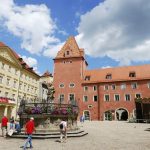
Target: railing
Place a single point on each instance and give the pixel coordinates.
(48, 108)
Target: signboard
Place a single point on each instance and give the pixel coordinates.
(3, 100)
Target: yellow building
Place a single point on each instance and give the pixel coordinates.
(17, 80)
(47, 77)
(44, 86)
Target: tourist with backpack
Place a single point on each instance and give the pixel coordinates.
(63, 131)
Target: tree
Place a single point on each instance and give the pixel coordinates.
(50, 94)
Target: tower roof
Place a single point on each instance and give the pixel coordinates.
(47, 73)
(70, 49)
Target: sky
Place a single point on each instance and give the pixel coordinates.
(112, 32)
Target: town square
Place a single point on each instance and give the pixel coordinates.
(101, 135)
(75, 74)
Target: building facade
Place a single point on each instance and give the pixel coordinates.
(45, 81)
(17, 81)
(102, 94)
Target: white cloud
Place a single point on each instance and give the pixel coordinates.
(32, 23)
(52, 50)
(32, 62)
(104, 67)
(119, 29)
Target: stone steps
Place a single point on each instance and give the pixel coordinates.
(49, 135)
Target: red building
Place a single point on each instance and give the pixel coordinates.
(102, 94)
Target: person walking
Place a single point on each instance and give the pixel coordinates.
(4, 122)
(63, 131)
(29, 129)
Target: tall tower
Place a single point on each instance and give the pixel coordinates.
(69, 65)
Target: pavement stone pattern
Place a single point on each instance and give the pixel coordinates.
(102, 135)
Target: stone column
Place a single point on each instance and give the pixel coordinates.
(5, 111)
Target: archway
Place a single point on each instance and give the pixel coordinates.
(108, 115)
(87, 115)
(121, 114)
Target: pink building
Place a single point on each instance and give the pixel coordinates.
(102, 94)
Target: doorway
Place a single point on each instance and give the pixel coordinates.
(121, 114)
(108, 116)
(87, 115)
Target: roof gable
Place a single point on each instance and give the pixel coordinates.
(70, 49)
(8, 55)
(11, 56)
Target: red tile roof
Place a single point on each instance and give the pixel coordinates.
(47, 73)
(73, 47)
(118, 74)
(2, 44)
(21, 61)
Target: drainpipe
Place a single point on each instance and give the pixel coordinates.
(98, 90)
(18, 93)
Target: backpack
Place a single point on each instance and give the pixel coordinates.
(61, 126)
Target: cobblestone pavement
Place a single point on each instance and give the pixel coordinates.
(102, 136)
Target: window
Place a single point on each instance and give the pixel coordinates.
(87, 78)
(132, 74)
(106, 98)
(106, 87)
(9, 68)
(20, 86)
(123, 86)
(89, 106)
(61, 85)
(117, 97)
(108, 76)
(85, 98)
(15, 82)
(71, 97)
(6, 94)
(148, 85)
(25, 87)
(67, 53)
(16, 71)
(138, 95)
(8, 81)
(113, 86)
(85, 88)
(134, 85)
(61, 98)
(127, 97)
(2, 67)
(94, 88)
(71, 85)
(13, 96)
(28, 88)
(1, 79)
(95, 98)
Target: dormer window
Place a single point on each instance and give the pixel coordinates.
(67, 53)
(87, 78)
(108, 76)
(132, 74)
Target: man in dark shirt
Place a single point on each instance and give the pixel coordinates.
(30, 128)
